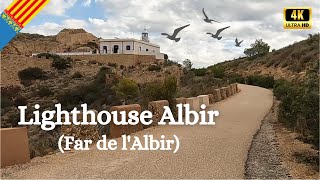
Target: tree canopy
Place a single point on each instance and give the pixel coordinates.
(257, 48)
(187, 64)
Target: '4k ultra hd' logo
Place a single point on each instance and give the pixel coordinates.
(297, 18)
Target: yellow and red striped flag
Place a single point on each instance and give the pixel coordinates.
(17, 16)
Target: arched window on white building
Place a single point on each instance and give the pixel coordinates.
(128, 48)
(115, 49)
(105, 49)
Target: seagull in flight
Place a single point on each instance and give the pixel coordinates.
(207, 20)
(175, 33)
(238, 43)
(218, 33)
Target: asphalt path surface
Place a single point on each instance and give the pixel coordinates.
(218, 151)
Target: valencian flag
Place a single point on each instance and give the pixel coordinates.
(17, 16)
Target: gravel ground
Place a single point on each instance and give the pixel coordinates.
(264, 157)
(206, 152)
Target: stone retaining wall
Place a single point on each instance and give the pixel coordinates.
(204, 99)
(217, 95)
(194, 103)
(228, 91)
(179, 101)
(211, 99)
(223, 92)
(157, 109)
(118, 131)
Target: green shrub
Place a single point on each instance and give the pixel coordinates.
(168, 62)
(44, 91)
(20, 101)
(200, 72)
(217, 71)
(8, 93)
(77, 75)
(97, 92)
(6, 102)
(236, 78)
(187, 78)
(31, 74)
(26, 83)
(48, 55)
(160, 90)
(262, 81)
(154, 68)
(127, 89)
(299, 107)
(60, 63)
(281, 89)
(113, 65)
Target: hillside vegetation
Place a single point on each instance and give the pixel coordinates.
(290, 62)
(293, 74)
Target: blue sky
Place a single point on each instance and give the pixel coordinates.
(77, 11)
(249, 20)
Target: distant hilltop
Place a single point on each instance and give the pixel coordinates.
(65, 41)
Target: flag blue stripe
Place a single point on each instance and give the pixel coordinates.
(7, 33)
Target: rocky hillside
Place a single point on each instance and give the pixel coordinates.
(65, 41)
(290, 63)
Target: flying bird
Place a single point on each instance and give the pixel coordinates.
(207, 20)
(238, 43)
(175, 33)
(218, 33)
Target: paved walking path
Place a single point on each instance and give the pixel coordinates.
(218, 151)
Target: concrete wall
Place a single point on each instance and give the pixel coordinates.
(217, 95)
(14, 146)
(115, 130)
(223, 92)
(229, 93)
(194, 103)
(204, 99)
(180, 101)
(233, 89)
(211, 98)
(157, 109)
(237, 88)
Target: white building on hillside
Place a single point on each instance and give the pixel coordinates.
(130, 46)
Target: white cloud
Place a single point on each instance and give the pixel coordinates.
(249, 20)
(54, 28)
(54, 7)
(86, 3)
(58, 7)
(4, 5)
